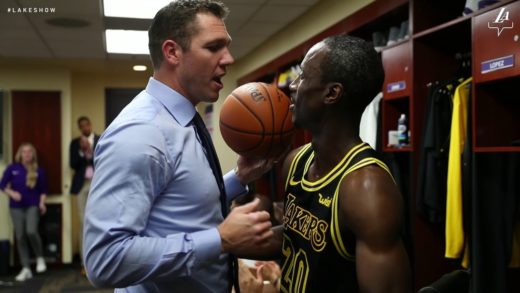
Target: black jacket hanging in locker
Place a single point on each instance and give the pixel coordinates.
(431, 187)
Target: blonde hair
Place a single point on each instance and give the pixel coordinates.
(32, 168)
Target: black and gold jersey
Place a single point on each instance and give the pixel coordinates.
(318, 255)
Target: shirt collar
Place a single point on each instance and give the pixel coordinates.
(91, 138)
(177, 105)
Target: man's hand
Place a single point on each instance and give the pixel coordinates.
(262, 279)
(247, 280)
(245, 228)
(268, 271)
(84, 144)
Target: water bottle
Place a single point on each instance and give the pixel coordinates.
(402, 131)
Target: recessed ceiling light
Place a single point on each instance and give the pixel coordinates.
(139, 67)
(127, 42)
(133, 8)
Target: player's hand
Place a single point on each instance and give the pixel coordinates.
(244, 228)
(251, 169)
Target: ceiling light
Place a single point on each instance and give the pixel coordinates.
(127, 42)
(133, 8)
(139, 67)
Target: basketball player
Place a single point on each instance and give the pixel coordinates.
(155, 217)
(343, 212)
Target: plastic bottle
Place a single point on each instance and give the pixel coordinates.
(402, 130)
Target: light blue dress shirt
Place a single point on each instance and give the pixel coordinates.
(153, 207)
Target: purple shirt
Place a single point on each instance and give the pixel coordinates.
(15, 174)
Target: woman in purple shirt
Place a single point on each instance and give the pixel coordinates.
(25, 184)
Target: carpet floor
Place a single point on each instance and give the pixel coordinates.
(65, 278)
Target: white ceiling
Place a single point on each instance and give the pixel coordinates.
(27, 34)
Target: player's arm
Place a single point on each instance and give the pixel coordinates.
(371, 206)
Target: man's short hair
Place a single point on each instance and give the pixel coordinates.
(176, 21)
(355, 64)
(83, 118)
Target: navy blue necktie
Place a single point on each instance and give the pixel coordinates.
(211, 155)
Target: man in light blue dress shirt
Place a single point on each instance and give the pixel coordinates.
(153, 221)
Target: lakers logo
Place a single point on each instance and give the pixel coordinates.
(305, 223)
(501, 22)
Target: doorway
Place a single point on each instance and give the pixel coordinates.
(36, 118)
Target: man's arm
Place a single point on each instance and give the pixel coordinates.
(125, 189)
(371, 206)
(75, 159)
(129, 177)
(272, 247)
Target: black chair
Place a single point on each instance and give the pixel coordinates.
(454, 282)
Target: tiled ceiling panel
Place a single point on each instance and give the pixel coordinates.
(27, 33)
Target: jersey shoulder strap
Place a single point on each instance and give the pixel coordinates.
(298, 164)
(364, 158)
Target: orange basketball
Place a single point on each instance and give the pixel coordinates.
(255, 120)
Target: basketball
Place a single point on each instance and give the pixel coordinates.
(255, 120)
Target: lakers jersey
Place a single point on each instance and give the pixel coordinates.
(317, 254)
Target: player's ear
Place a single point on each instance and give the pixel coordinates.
(334, 91)
(171, 51)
